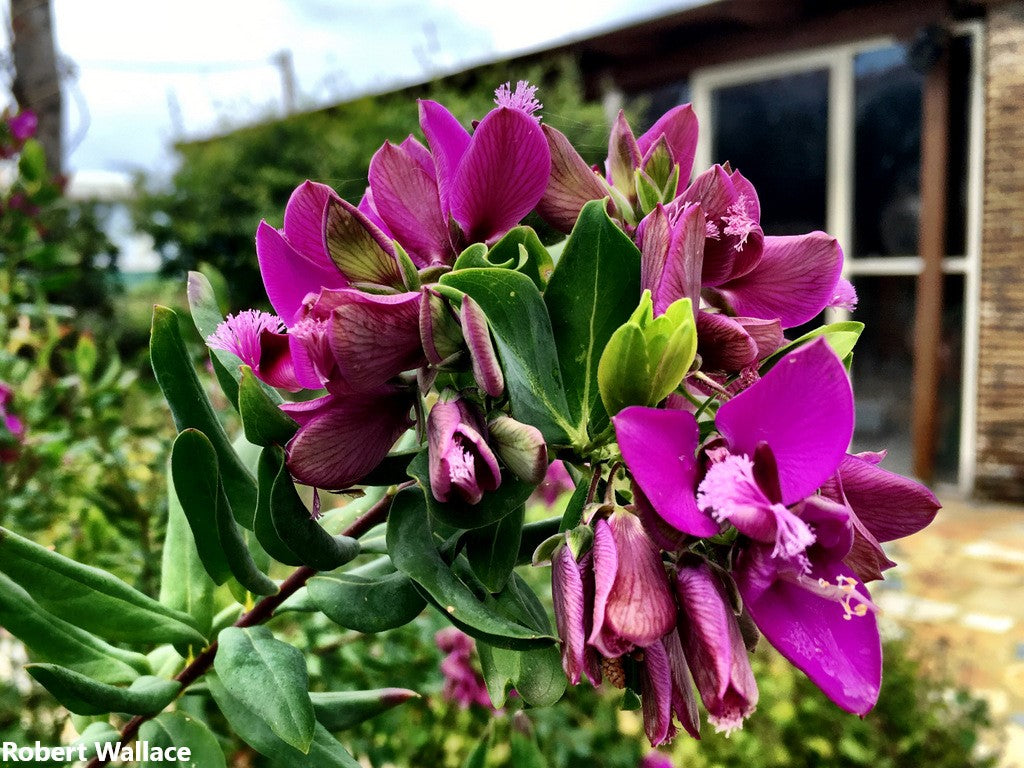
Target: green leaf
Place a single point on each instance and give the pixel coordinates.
(221, 548)
(192, 410)
(504, 500)
(298, 530)
(86, 356)
(492, 550)
(32, 163)
(525, 750)
(51, 639)
(184, 583)
(371, 598)
(522, 330)
(91, 598)
(593, 291)
(841, 336)
(537, 675)
(341, 710)
(413, 552)
(269, 678)
(478, 757)
(178, 729)
(394, 469)
(267, 469)
(521, 246)
(263, 422)
(82, 695)
(574, 509)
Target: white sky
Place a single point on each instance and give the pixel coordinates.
(151, 72)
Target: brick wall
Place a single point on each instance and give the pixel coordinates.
(1000, 427)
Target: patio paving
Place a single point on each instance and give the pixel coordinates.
(959, 593)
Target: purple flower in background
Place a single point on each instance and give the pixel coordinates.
(23, 125)
(462, 465)
(12, 429)
(485, 182)
(463, 685)
(556, 482)
(655, 760)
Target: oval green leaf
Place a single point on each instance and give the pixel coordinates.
(82, 695)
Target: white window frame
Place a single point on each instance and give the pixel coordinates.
(838, 60)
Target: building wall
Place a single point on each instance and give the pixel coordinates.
(1000, 424)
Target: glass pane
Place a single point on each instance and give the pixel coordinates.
(887, 95)
(776, 133)
(888, 147)
(883, 371)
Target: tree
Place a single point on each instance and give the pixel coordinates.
(36, 80)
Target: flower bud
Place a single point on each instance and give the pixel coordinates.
(486, 369)
(521, 447)
(462, 465)
(647, 357)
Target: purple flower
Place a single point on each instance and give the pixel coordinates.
(462, 464)
(344, 435)
(23, 125)
(656, 760)
(883, 506)
(485, 182)
(258, 340)
(12, 429)
(556, 482)
(573, 183)
(463, 685)
(667, 690)
(572, 592)
(812, 608)
(714, 648)
(633, 605)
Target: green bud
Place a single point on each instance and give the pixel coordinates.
(648, 356)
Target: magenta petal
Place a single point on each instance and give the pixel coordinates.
(767, 334)
(657, 695)
(671, 243)
(343, 438)
(794, 280)
(803, 409)
(304, 219)
(305, 370)
(684, 702)
(462, 464)
(369, 210)
(502, 175)
(375, 337)
(679, 127)
(889, 506)
(866, 557)
(448, 142)
(606, 565)
(572, 184)
(623, 156)
(639, 608)
(841, 656)
(723, 344)
(406, 198)
(658, 447)
(567, 595)
(289, 276)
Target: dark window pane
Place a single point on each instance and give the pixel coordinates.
(888, 147)
(883, 371)
(776, 133)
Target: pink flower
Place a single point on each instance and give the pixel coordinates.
(463, 685)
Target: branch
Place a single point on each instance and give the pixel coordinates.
(260, 613)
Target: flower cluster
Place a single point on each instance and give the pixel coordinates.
(15, 130)
(716, 499)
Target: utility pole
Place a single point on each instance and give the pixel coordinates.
(286, 65)
(36, 80)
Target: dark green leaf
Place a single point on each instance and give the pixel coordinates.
(594, 290)
(534, 534)
(263, 422)
(263, 526)
(414, 553)
(341, 710)
(298, 530)
(178, 729)
(90, 598)
(269, 678)
(52, 639)
(519, 320)
(96, 733)
(82, 695)
(505, 500)
(371, 598)
(394, 469)
(492, 550)
(537, 675)
(219, 542)
(574, 509)
(525, 750)
(478, 757)
(184, 583)
(324, 751)
(191, 409)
